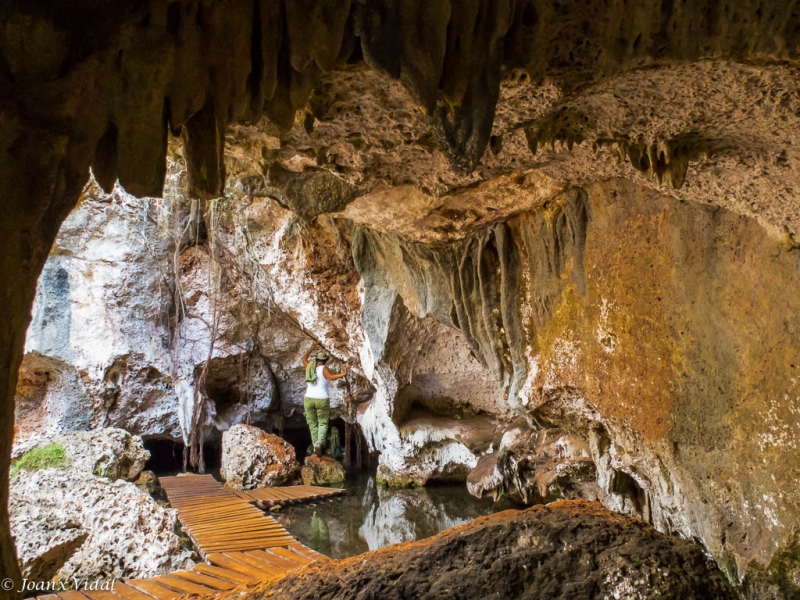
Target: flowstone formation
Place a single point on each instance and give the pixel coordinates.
(557, 240)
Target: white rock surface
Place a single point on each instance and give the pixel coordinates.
(68, 523)
(252, 458)
(103, 349)
(107, 452)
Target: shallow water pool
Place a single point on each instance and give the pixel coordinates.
(369, 516)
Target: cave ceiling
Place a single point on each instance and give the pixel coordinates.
(428, 118)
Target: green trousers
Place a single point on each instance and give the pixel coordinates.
(317, 412)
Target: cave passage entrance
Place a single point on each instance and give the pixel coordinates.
(166, 456)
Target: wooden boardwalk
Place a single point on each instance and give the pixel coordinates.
(218, 520)
(286, 496)
(239, 543)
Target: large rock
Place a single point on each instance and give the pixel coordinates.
(109, 452)
(565, 550)
(322, 470)
(69, 523)
(253, 458)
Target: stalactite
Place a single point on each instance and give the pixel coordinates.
(553, 238)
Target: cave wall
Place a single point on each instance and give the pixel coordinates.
(685, 336)
(122, 328)
(662, 332)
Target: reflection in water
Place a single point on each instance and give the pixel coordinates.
(369, 517)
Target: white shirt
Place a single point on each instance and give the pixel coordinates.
(318, 389)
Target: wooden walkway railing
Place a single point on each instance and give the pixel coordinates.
(239, 543)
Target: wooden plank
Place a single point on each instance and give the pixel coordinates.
(312, 555)
(196, 506)
(272, 558)
(285, 495)
(292, 556)
(125, 591)
(236, 528)
(298, 492)
(47, 597)
(215, 513)
(233, 523)
(155, 590)
(223, 573)
(223, 560)
(100, 595)
(260, 563)
(242, 546)
(206, 580)
(247, 534)
(277, 540)
(181, 585)
(261, 527)
(71, 595)
(245, 547)
(273, 541)
(252, 514)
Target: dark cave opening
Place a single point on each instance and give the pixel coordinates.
(627, 486)
(166, 457)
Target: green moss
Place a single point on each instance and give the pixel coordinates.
(50, 456)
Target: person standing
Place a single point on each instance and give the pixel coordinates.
(317, 402)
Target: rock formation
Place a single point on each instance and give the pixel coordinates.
(322, 470)
(71, 524)
(582, 215)
(110, 453)
(565, 550)
(252, 458)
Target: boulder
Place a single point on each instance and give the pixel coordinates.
(569, 549)
(69, 523)
(109, 452)
(147, 482)
(322, 470)
(253, 458)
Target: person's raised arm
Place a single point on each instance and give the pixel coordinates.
(334, 376)
(307, 354)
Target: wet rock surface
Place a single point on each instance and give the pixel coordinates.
(564, 550)
(322, 470)
(252, 458)
(69, 523)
